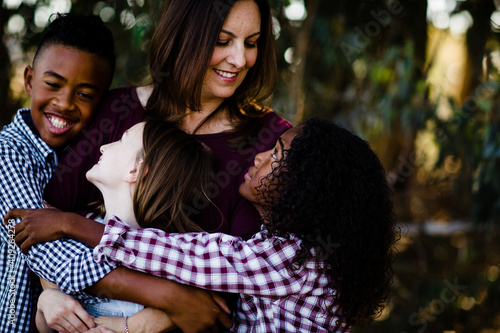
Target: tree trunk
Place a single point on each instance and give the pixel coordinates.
(5, 71)
(300, 59)
(477, 36)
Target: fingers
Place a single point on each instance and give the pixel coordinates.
(63, 312)
(21, 241)
(76, 325)
(224, 320)
(47, 205)
(86, 319)
(78, 319)
(68, 324)
(64, 327)
(23, 238)
(220, 301)
(14, 214)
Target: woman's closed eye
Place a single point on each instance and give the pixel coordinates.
(248, 44)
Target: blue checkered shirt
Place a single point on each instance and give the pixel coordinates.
(26, 167)
(27, 164)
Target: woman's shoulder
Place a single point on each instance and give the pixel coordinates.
(122, 103)
(125, 91)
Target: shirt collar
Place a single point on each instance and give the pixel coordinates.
(21, 123)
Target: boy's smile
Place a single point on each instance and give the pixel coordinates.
(65, 86)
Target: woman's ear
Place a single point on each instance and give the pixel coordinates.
(134, 173)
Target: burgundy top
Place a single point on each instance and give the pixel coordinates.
(69, 189)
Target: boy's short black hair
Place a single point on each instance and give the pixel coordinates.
(82, 32)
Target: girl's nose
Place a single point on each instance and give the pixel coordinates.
(259, 158)
(103, 148)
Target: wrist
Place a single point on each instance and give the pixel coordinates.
(81, 229)
(66, 225)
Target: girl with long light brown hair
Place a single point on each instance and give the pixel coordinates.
(148, 179)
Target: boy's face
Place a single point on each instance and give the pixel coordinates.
(65, 86)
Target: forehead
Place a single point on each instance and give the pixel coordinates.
(289, 135)
(72, 63)
(49, 50)
(244, 15)
(135, 131)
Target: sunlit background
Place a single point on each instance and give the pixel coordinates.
(419, 80)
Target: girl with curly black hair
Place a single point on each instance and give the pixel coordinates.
(334, 197)
(322, 261)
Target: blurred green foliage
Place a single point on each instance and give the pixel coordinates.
(444, 283)
(366, 65)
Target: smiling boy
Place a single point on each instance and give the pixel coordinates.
(72, 70)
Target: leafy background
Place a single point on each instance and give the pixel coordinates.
(418, 79)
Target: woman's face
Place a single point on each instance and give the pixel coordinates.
(263, 166)
(235, 52)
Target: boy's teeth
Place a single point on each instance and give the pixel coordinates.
(228, 75)
(58, 122)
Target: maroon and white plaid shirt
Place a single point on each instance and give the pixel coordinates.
(272, 297)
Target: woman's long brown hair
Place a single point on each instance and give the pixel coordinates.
(175, 170)
(180, 53)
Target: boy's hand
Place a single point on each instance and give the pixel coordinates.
(37, 226)
(191, 309)
(197, 310)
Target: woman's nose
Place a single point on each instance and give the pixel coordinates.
(237, 56)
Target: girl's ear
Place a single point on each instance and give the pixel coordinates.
(134, 173)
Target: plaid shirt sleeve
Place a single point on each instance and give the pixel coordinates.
(67, 263)
(23, 177)
(259, 266)
(21, 186)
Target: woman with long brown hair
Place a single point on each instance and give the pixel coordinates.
(212, 65)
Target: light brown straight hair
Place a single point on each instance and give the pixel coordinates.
(175, 170)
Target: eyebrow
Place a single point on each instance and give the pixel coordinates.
(62, 78)
(280, 141)
(233, 35)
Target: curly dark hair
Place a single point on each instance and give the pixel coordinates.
(334, 196)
